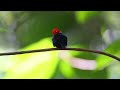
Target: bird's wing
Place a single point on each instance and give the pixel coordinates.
(65, 40)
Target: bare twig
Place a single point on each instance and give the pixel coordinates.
(53, 49)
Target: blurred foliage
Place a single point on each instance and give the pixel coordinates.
(40, 24)
(35, 65)
(103, 61)
(84, 16)
(28, 30)
(67, 70)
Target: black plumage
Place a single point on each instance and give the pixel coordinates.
(59, 40)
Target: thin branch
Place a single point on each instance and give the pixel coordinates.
(53, 49)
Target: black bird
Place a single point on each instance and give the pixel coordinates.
(59, 40)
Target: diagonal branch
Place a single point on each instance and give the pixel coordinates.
(53, 49)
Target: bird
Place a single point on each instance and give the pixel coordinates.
(59, 40)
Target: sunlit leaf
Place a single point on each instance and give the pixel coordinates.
(34, 65)
(76, 53)
(67, 70)
(102, 60)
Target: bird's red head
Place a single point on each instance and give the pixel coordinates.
(55, 31)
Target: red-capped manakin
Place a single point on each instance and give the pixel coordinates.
(59, 40)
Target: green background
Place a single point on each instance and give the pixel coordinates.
(28, 30)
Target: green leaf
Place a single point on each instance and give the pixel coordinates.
(83, 16)
(91, 74)
(113, 48)
(67, 70)
(34, 65)
(82, 54)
